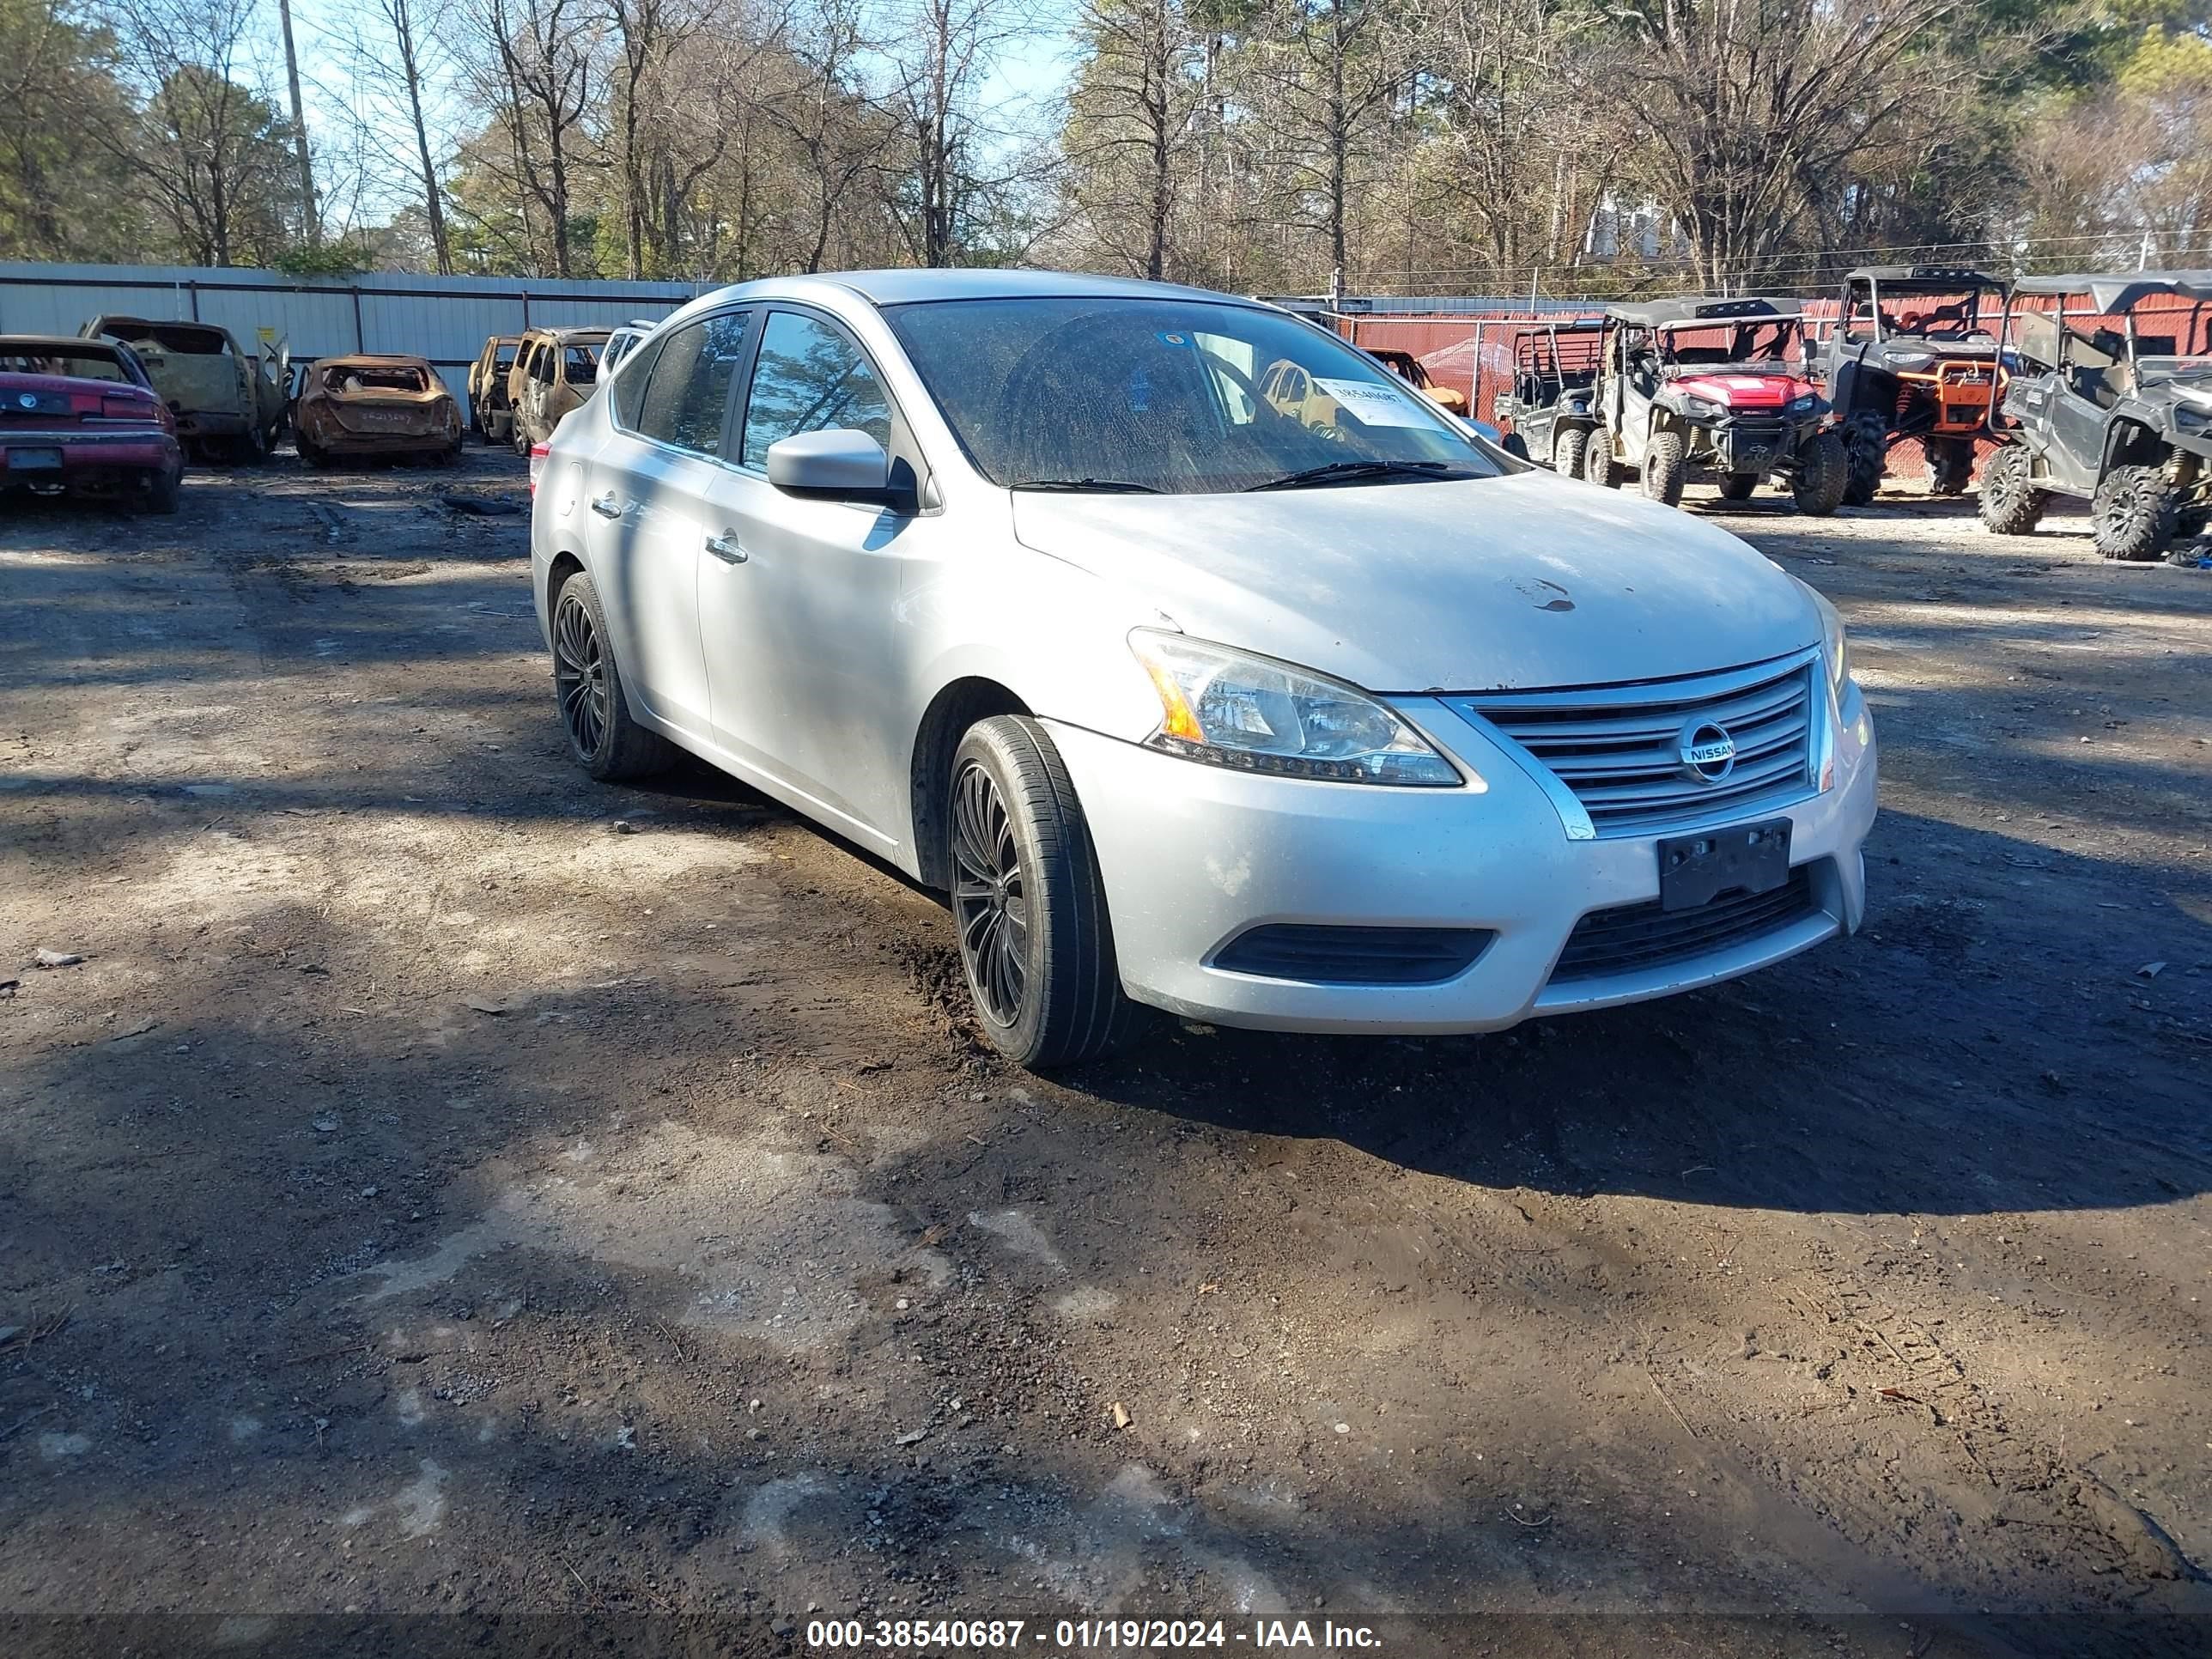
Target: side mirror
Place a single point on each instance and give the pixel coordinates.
(840, 465)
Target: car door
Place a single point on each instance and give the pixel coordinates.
(2076, 453)
(648, 491)
(799, 599)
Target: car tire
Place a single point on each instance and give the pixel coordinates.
(1515, 445)
(1950, 465)
(2134, 514)
(1568, 449)
(308, 453)
(1866, 447)
(1664, 466)
(587, 686)
(164, 490)
(2010, 504)
(1738, 486)
(1036, 943)
(1597, 460)
(1824, 471)
(518, 438)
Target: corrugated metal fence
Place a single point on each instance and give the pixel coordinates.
(445, 319)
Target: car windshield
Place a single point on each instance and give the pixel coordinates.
(1705, 345)
(1177, 396)
(80, 364)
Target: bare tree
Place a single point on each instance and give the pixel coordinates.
(1130, 117)
(539, 73)
(941, 53)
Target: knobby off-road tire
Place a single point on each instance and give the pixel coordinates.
(1597, 460)
(1950, 465)
(587, 687)
(1568, 449)
(1036, 941)
(1664, 465)
(1823, 473)
(2134, 514)
(2010, 503)
(1866, 443)
(1738, 486)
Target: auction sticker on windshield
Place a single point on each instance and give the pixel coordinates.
(1375, 405)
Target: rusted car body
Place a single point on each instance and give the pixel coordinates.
(491, 416)
(357, 407)
(228, 402)
(556, 371)
(1414, 373)
(81, 417)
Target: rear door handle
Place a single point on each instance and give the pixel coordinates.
(607, 506)
(724, 546)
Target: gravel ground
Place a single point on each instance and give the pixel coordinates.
(448, 1186)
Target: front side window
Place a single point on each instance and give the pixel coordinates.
(810, 378)
(687, 386)
(1181, 397)
(582, 363)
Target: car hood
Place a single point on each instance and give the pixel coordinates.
(1503, 584)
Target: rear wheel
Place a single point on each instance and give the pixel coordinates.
(1597, 460)
(164, 488)
(1664, 464)
(1866, 447)
(2010, 504)
(1950, 465)
(1738, 486)
(1823, 474)
(588, 682)
(1036, 941)
(310, 454)
(1568, 449)
(2135, 514)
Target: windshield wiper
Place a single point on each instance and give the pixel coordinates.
(1348, 471)
(1100, 486)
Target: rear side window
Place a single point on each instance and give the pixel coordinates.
(687, 386)
(582, 363)
(810, 378)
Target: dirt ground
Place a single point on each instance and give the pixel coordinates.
(448, 1186)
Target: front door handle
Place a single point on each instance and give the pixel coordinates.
(724, 546)
(607, 506)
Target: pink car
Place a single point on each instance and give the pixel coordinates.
(80, 417)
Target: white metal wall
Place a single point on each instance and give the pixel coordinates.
(444, 318)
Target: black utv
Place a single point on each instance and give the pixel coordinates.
(2122, 415)
(1550, 406)
(1716, 383)
(1914, 355)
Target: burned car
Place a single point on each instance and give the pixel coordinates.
(1713, 383)
(491, 417)
(1415, 374)
(555, 370)
(1549, 408)
(358, 407)
(2121, 416)
(1914, 355)
(80, 417)
(228, 402)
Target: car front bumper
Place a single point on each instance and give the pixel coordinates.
(1192, 856)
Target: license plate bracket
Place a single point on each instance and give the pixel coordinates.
(1748, 858)
(34, 460)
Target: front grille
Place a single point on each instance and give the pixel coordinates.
(1638, 936)
(1354, 956)
(1619, 749)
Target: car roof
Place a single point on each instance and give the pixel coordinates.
(566, 335)
(372, 359)
(899, 287)
(1942, 276)
(2114, 292)
(1700, 308)
(108, 324)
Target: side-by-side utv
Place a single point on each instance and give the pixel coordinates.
(1914, 355)
(2120, 415)
(1715, 383)
(1549, 406)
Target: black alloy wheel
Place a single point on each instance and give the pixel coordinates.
(579, 673)
(990, 895)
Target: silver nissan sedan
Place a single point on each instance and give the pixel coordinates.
(1202, 662)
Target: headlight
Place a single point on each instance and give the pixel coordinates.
(1255, 715)
(1700, 408)
(2190, 419)
(1835, 645)
(1910, 358)
(1804, 406)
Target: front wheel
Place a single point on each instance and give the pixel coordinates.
(1823, 474)
(1516, 446)
(2010, 505)
(1568, 449)
(2134, 514)
(1950, 465)
(1738, 486)
(1027, 897)
(1866, 445)
(603, 738)
(1664, 464)
(1597, 460)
